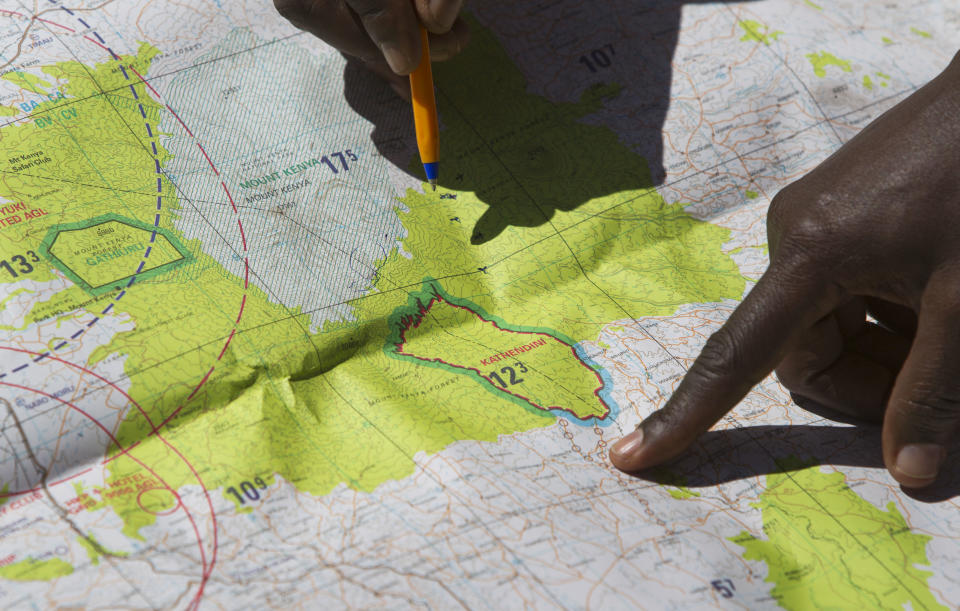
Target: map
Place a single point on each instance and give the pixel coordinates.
(248, 359)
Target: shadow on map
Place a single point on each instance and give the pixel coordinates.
(524, 156)
(734, 454)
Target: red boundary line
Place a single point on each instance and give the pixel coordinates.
(207, 570)
(196, 530)
(419, 316)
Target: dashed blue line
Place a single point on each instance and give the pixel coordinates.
(153, 235)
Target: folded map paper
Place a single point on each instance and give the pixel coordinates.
(249, 360)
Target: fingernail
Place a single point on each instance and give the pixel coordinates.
(395, 57)
(920, 460)
(443, 13)
(628, 445)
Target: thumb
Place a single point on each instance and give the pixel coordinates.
(923, 413)
(438, 15)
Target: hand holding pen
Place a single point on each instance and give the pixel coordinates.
(384, 34)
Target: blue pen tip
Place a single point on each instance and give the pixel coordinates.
(432, 169)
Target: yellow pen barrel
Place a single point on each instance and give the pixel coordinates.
(425, 110)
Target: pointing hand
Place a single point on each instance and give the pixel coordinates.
(874, 230)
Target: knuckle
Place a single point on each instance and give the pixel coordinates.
(943, 291)
(721, 357)
(932, 411)
(292, 10)
(808, 383)
(802, 222)
(377, 12)
(792, 378)
(784, 205)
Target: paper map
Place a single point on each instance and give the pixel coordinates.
(249, 360)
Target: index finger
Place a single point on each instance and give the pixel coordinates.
(438, 15)
(785, 302)
(394, 28)
(333, 22)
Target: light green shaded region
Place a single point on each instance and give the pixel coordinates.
(126, 501)
(757, 32)
(822, 60)
(886, 40)
(675, 484)
(80, 164)
(36, 570)
(813, 5)
(867, 82)
(9, 111)
(751, 194)
(531, 366)
(95, 550)
(560, 245)
(826, 547)
(682, 492)
(104, 251)
(921, 33)
(26, 81)
(11, 295)
(3, 306)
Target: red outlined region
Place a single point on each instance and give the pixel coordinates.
(413, 321)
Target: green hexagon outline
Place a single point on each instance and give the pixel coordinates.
(47, 243)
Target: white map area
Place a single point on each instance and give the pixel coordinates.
(534, 519)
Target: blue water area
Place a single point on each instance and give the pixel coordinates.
(606, 393)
